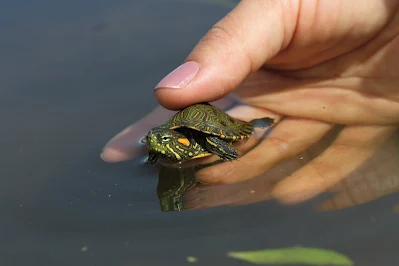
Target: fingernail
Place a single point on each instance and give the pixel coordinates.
(179, 77)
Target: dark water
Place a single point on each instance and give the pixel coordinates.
(72, 75)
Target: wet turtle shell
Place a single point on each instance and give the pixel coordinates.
(209, 119)
(197, 131)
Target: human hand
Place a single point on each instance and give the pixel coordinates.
(318, 63)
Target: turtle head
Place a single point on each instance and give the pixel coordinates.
(166, 143)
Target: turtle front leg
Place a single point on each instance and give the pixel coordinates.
(221, 148)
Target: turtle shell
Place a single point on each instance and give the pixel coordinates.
(209, 119)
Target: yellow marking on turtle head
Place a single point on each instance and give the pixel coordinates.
(172, 151)
(184, 141)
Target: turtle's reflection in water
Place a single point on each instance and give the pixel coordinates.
(173, 183)
(177, 187)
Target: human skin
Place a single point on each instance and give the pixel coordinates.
(312, 65)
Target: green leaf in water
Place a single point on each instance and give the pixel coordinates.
(294, 255)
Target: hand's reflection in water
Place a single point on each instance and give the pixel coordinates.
(376, 177)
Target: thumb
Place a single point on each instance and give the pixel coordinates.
(239, 44)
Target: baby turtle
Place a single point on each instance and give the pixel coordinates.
(198, 131)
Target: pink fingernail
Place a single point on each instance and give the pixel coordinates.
(179, 77)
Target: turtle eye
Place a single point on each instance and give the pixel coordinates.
(165, 138)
